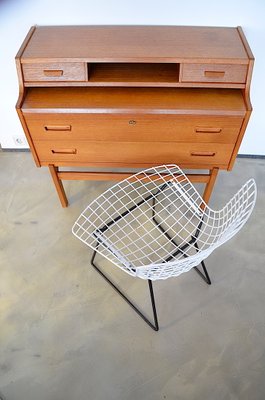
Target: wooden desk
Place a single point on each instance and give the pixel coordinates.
(123, 96)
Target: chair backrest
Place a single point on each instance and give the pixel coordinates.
(225, 223)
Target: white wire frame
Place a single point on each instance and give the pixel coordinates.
(155, 224)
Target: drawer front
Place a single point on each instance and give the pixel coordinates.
(51, 72)
(136, 152)
(229, 73)
(134, 128)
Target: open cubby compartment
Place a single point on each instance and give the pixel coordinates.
(132, 73)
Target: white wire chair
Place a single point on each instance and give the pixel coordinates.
(155, 225)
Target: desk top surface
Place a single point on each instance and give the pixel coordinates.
(143, 100)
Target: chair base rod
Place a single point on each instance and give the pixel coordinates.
(154, 325)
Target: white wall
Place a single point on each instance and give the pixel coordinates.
(16, 17)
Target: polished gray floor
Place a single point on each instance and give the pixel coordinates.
(65, 334)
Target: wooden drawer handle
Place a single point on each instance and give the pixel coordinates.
(208, 130)
(214, 74)
(64, 151)
(202, 153)
(132, 122)
(53, 72)
(58, 128)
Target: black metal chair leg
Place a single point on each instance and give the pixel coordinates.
(152, 297)
(204, 276)
(154, 325)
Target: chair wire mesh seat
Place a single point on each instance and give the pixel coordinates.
(155, 225)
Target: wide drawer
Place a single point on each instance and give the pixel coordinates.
(50, 72)
(228, 73)
(133, 152)
(134, 128)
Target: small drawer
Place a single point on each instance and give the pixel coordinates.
(49, 72)
(83, 152)
(134, 128)
(228, 73)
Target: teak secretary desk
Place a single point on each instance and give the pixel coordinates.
(134, 96)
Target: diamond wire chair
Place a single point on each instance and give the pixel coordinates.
(155, 225)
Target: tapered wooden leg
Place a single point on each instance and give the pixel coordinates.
(58, 185)
(209, 186)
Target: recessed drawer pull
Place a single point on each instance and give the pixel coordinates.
(208, 130)
(132, 122)
(64, 151)
(214, 74)
(53, 72)
(202, 153)
(58, 128)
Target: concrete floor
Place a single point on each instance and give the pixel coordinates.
(65, 334)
